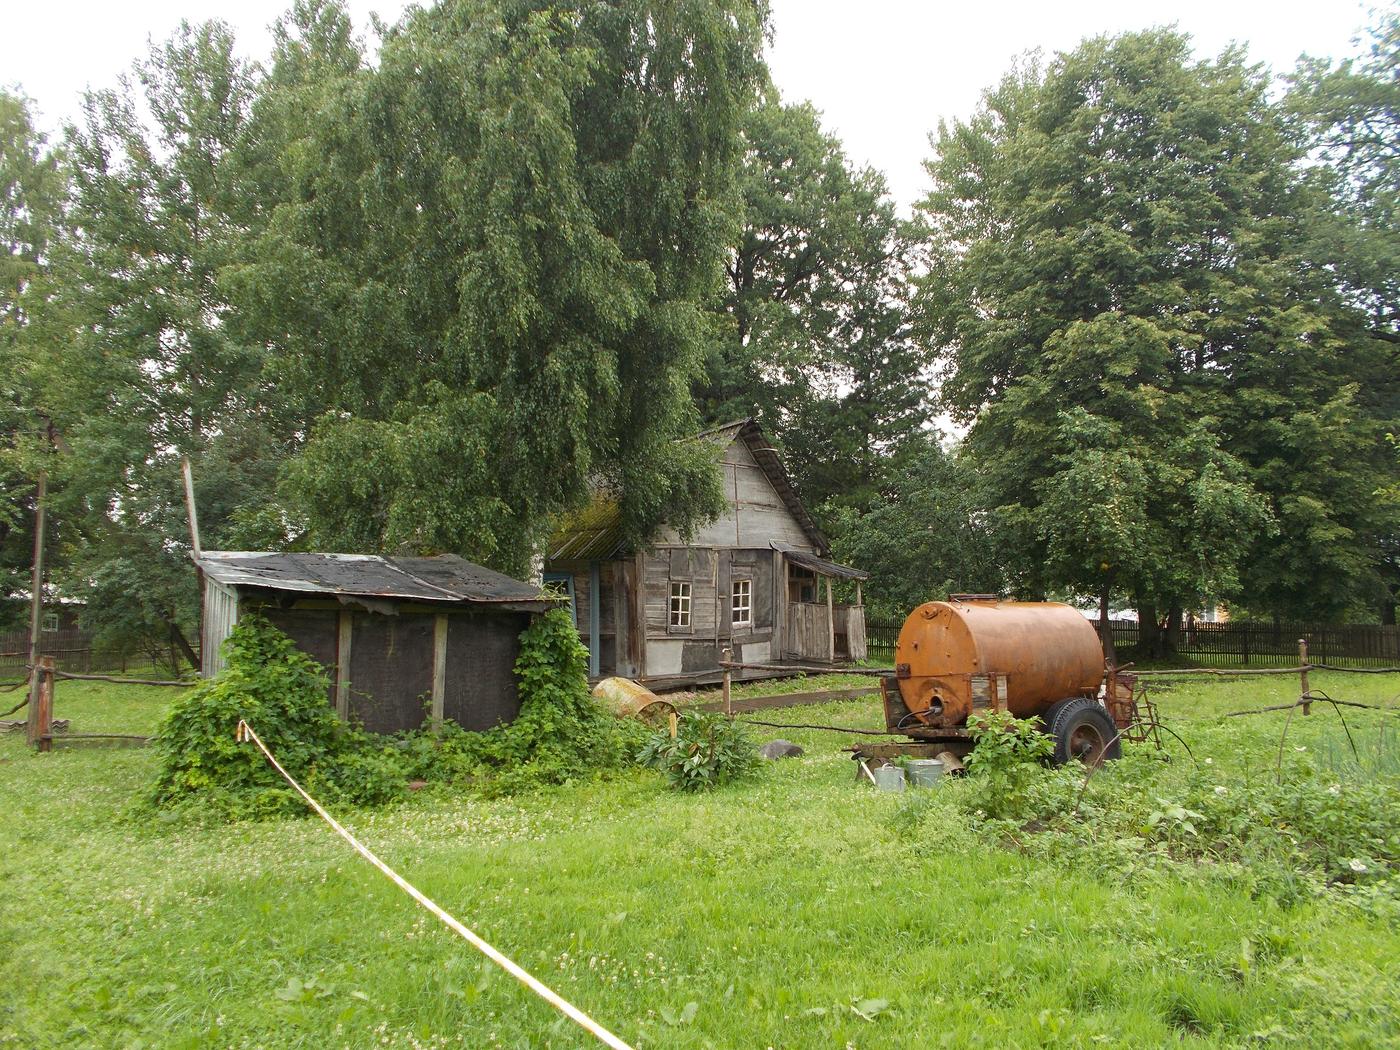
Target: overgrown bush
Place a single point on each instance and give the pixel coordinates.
(282, 693)
(708, 750)
(562, 733)
(1288, 837)
(1009, 763)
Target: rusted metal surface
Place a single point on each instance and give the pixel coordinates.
(627, 699)
(958, 657)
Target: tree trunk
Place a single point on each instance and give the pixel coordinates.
(177, 638)
(1149, 637)
(1105, 629)
(1172, 639)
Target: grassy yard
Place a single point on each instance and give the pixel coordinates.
(798, 910)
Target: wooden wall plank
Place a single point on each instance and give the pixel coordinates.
(345, 634)
(439, 666)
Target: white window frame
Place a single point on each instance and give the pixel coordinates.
(679, 607)
(741, 603)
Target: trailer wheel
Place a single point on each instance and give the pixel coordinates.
(1082, 729)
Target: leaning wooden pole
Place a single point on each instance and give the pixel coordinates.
(198, 552)
(36, 612)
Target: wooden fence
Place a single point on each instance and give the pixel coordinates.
(72, 649)
(1237, 643)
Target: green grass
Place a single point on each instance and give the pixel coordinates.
(774, 906)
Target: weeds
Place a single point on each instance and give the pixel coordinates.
(707, 751)
(561, 733)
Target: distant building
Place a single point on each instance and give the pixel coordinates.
(757, 580)
(404, 639)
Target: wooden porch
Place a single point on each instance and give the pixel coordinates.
(819, 629)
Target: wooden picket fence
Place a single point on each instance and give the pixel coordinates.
(1236, 643)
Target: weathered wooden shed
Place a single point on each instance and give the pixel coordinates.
(757, 580)
(404, 639)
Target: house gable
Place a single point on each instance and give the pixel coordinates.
(761, 507)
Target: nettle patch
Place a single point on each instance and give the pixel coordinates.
(561, 733)
(707, 751)
(1288, 835)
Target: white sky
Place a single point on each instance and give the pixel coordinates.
(883, 71)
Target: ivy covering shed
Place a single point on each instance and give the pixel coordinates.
(404, 639)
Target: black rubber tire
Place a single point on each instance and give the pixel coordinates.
(1082, 730)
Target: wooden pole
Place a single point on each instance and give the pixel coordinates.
(728, 677)
(43, 671)
(345, 634)
(1303, 673)
(36, 610)
(439, 670)
(190, 508)
(188, 473)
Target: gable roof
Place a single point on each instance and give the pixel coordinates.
(751, 434)
(595, 532)
(445, 578)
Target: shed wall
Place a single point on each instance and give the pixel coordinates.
(220, 614)
(314, 632)
(480, 689)
(391, 671)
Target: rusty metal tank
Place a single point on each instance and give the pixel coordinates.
(969, 654)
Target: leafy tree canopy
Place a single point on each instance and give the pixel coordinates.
(1143, 352)
(815, 342)
(486, 289)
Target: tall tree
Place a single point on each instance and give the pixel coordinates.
(816, 344)
(31, 198)
(142, 366)
(1132, 333)
(925, 535)
(488, 289)
(1350, 112)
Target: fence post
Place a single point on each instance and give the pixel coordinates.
(40, 727)
(1303, 673)
(728, 675)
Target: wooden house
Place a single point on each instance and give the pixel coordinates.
(404, 639)
(756, 580)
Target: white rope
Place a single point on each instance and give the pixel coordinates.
(245, 732)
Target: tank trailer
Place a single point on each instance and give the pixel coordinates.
(977, 653)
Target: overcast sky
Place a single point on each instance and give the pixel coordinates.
(883, 71)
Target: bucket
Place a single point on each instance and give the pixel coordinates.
(889, 778)
(924, 772)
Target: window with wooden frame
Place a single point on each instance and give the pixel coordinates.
(741, 603)
(680, 605)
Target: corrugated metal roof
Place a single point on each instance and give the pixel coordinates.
(820, 565)
(444, 578)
